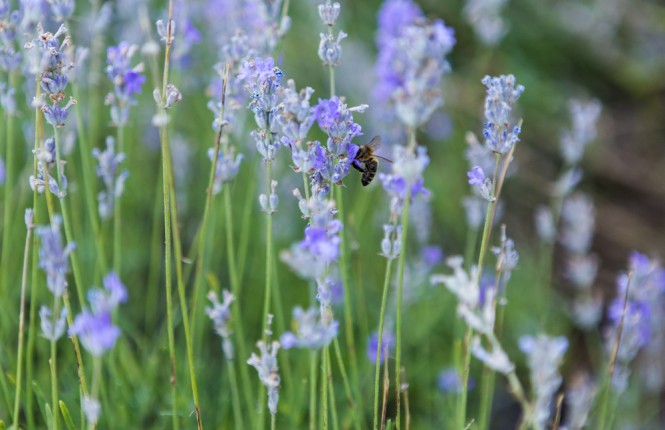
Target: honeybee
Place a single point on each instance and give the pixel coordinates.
(367, 162)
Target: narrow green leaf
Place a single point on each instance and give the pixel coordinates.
(66, 415)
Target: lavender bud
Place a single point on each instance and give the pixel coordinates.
(330, 50)
(29, 216)
(166, 32)
(172, 96)
(329, 13)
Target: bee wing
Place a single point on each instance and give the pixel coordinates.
(383, 158)
(375, 142)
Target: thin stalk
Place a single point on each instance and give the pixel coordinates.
(273, 422)
(235, 395)
(605, 395)
(202, 238)
(268, 288)
(348, 312)
(9, 190)
(400, 288)
(96, 377)
(406, 400)
(53, 366)
(347, 386)
(167, 226)
(21, 323)
(377, 365)
(117, 212)
(324, 388)
(73, 256)
(312, 389)
(331, 392)
(235, 306)
(384, 403)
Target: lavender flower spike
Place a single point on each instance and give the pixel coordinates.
(544, 355)
(483, 185)
(220, 314)
(266, 366)
(53, 257)
(311, 333)
(52, 327)
(502, 94)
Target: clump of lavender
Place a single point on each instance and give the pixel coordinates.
(406, 178)
(127, 81)
(544, 355)
(108, 170)
(310, 331)
(220, 314)
(576, 212)
(638, 294)
(411, 62)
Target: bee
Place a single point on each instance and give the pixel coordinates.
(367, 162)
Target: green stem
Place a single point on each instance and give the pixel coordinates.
(331, 393)
(347, 386)
(9, 190)
(53, 366)
(235, 306)
(312, 389)
(400, 288)
(324, 388)
(377, 365)
(19, 359)
(235, 395)
(166, 177)
(117, 213)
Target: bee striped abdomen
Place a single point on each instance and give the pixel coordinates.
(371, 166)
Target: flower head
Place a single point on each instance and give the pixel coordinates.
(309, 330)
(502, 94)
(266, 366)
(53, 257)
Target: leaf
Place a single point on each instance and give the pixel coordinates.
(49, 416)
(66, 415)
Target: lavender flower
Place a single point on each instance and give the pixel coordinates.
(496, 358)
(578, 221)
(52, 328)
(485, 18)
(53, 258)
(296, 116)
(95, 328)
(227, 167)
(392, 240)
(544, 355)
(502, 94)
(266, 366)
(387, 341)
(92, 409)
(507, 258)
(579, 399)
(329, 12)
(113, 179)
(46, 159)
(127, 81)
(10, 20)
(449, 381)
(584, 116)
(310, 331)
(96, 331)
(62, 10)
(545, 224)
(220, 314)
(483, 185)
(407, 175)
(330, 49)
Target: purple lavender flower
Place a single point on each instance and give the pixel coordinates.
(483, 185)
(330, 49)
(329, 12)
(411, 61)
(96, 331)
(52, 328)
(220, 314)
(227, 167)
(310, 330)
(578, 219)
(544, 355)
(392, 240)
(387, 342)
(584, 116)
(449, 382)
(62, 10)
(407, 175)
(485, 18)
(114, 180)
(127, 81)
(55, 114)
(502, 94)
(107, 299)
(53, 257)
(266, 366)
(296, 116)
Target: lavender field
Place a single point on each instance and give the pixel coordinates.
(306, 214)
